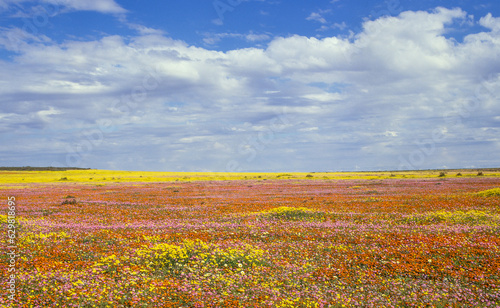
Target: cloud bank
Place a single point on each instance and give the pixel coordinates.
(400, 93)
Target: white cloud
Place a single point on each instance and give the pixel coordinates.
(490, 22)
(332, 99)
(195, 139)
(340, 26)
(323, 97)
(308, 129)
(143, 30)
(217, 22)
(214, 38)
(58, 6)
(325, 25)
(5, 4)
(257, 37)
(45, 114)
(317, 17)
(102, 6)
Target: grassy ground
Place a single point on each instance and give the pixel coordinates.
(110, 176)
(94, 238)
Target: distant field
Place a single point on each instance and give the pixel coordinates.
(95, 238)
(110, 176)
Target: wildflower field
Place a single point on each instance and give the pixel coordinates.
(115, 239)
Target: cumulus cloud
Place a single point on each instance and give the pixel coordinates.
(317, 17)
(397, 88)
(490, 22)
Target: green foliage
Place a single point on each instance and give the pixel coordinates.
(294, 214)
(67, 201)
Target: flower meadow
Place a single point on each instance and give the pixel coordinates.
(258, 242)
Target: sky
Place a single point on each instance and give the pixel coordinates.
(250, 85)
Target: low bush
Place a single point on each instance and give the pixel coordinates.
(489, 192)
(294, 214)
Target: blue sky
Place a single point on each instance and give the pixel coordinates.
(250, 85)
